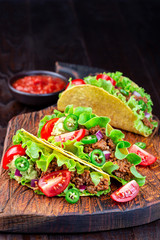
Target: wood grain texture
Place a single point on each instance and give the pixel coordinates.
(23, 211)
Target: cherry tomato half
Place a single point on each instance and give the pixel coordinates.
(54, 183)
(78, 135)
(147, 158)
(127, 192)
(76, 82)
(47, 128)
(106, 77)
(11, 152)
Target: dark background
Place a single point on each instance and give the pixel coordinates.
(114, 35)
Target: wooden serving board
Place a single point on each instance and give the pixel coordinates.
(21, 210)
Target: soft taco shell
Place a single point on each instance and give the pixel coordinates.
(102, 104)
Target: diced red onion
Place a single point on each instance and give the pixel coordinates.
(82, 187)
(137, 94)
(147, 115)
(107, 154)
(116, 87)
(99, 135)
(33, 182)
(17, 173)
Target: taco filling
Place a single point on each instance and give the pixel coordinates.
(92, 140)
(47, 171)
(118, 97)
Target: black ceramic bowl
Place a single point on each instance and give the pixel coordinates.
(35, 99)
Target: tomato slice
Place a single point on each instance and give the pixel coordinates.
(106, 77)
(47, 128)
(147, 158)
(78, 135)
(126, 192)
(11, 152)
(54, 183)
(76, 82)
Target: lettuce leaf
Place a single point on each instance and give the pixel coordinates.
(110, 167)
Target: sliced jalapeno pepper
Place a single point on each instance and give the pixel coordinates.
(141, 144)
(70, 123)
(89, 139)
(72, 195)
(98, 157)
(124, 92)
(22, 164)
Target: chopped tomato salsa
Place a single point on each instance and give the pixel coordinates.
(39, 84)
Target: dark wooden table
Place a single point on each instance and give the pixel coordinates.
(114, 35)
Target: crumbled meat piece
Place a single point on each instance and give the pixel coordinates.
(111, 144)
(95, 129)
(39, 172)
(128, 97)
(88, 148)
(138, 111)
(141, 98)
(124, 169)
(147, 123)
(101, 144)
(85, 179)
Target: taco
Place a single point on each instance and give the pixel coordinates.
(110, 94)
(42, 168)
(90, 138)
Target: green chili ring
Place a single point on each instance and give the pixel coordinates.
(124, 92)
(98, 157)
(89, 139)
(70, 123)
(72, 195)
(22, 164)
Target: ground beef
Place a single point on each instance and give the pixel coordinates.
(93, 130)
(124, 169)
(85, 179)
(128, 97)
(107, 144)
(101, 144)
(147, 123)
(52, 167)
(104, 144)
(141, 98)
(39, 172)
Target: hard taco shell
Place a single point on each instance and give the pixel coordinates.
(102, 104)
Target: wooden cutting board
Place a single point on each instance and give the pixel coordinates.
(21, 210)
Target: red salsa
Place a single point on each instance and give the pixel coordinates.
(39, 84)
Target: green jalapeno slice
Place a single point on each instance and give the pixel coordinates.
(72, 195)
(142, 145)
(98, 157)
(22, 164)
(70, 123)
(89, 139)
(124, 92)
